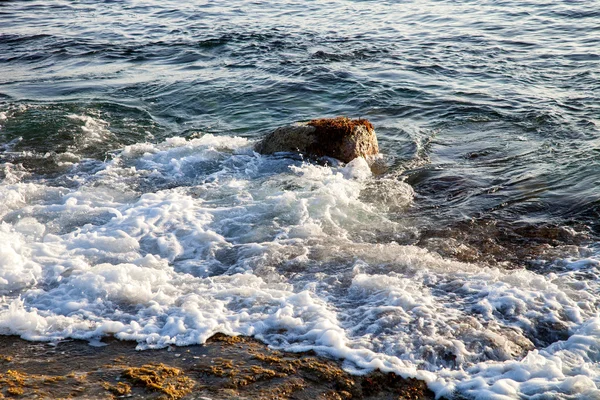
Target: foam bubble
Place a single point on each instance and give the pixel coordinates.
(170, 243)
(94, 130)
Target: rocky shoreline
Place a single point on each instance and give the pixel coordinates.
(224, 367)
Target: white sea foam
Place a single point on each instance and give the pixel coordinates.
(169, 243)
(94, 129)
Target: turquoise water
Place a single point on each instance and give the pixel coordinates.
(133, 122)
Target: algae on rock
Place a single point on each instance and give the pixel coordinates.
(342, 138)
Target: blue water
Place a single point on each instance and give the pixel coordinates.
(500, 95)
(489, 110)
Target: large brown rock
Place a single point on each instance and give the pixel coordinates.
(342, 138)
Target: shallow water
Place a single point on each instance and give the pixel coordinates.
(133, 205)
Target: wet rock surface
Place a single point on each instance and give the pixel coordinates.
(224, 368)
(506, 244)
(342, 138)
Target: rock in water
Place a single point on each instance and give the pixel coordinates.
(342, 138)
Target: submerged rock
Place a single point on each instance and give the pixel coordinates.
(342, 138)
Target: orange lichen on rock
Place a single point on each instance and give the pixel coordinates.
(341, 138)
(168, 380)
(220, 337)
(15, 391)
(120, 389)
(339, 126)
(13, 381)
(16, 376)
(222, 367)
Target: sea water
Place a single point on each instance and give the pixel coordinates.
(132, 203)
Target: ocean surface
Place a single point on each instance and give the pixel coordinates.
(132, 203)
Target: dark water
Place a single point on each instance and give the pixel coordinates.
(492, 106)
(489, 110)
